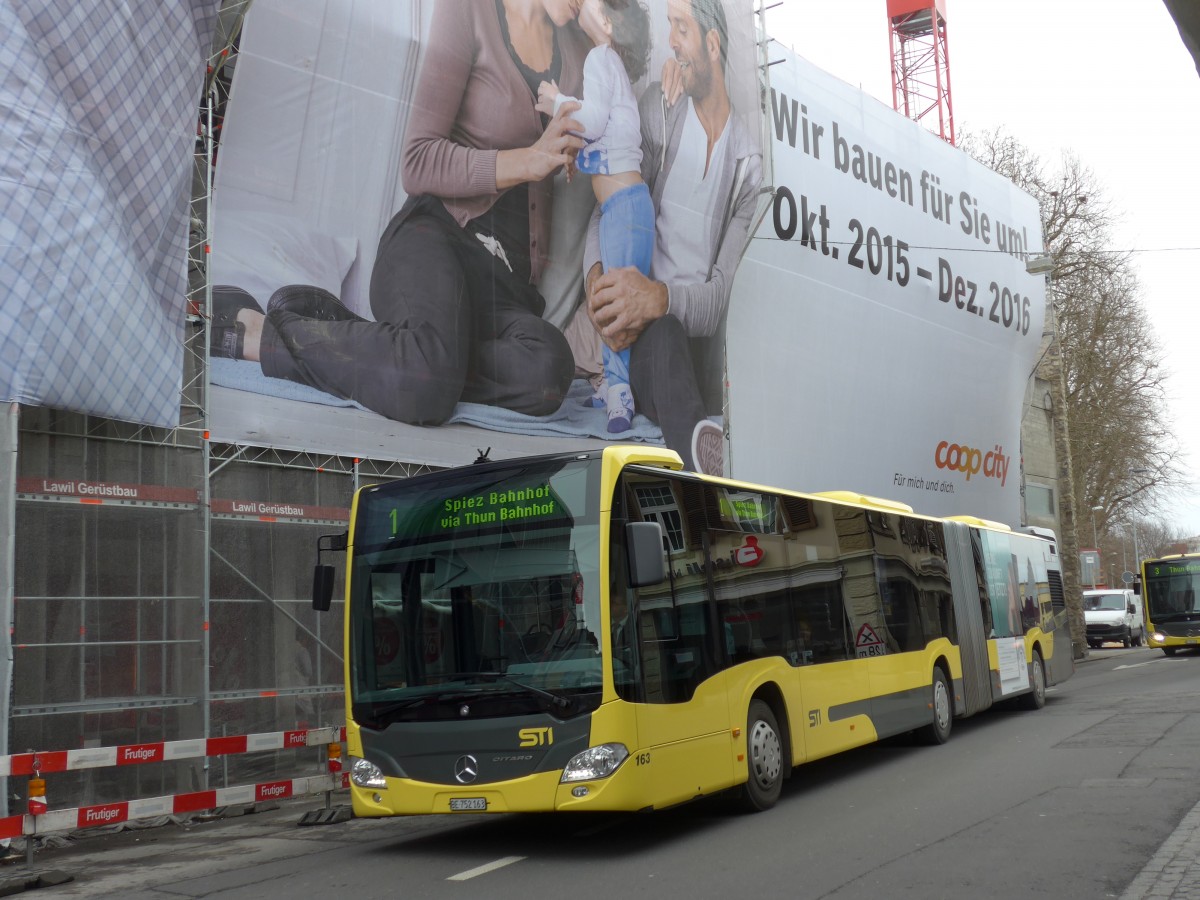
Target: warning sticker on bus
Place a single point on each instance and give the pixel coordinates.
(868, 643)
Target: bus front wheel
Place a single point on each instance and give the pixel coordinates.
(938, 730)
(764, 756)
(1169, 651)
(1036, 698)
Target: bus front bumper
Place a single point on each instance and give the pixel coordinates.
(543, 792)
(1159, 640)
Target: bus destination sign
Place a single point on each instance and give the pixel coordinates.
(489, 507)
(1167, 569)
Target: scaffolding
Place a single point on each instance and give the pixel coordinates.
(159, 582)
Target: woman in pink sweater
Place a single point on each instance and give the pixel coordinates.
(453, 291)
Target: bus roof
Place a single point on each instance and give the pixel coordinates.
(979, 523)
(661, 457)
(865, 500)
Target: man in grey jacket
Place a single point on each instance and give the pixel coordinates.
(703, 168)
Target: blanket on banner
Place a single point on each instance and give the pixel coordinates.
(574, 418)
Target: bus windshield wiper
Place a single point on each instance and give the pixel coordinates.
(386, 707)
(1185, 616)
(556, 700)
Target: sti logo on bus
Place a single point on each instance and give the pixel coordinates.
(535, 737)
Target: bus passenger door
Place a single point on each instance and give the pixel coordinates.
(683, 721)
(683, 648)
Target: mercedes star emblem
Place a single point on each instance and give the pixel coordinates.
(466, 769)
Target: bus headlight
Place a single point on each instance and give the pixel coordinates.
(1158, 637)
(595, 762)
(367, 774)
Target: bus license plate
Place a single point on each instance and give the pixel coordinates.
(468, 803)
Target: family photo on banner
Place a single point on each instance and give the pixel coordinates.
(524, 215)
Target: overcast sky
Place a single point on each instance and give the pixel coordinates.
(1112, 83)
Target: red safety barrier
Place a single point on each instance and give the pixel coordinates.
(180, 804)
(12, 827)
(163, 751)
(41, 820)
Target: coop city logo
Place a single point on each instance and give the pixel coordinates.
(961, 458)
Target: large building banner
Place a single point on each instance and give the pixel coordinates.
(408, 198)
(883, 327)
(97, 132)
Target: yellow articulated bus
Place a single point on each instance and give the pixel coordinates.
(1171, 591)
(601, 631)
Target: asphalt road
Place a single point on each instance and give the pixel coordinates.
(1070, 801)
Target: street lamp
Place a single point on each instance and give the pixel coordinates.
(1040, 265)
(1095, 543)
(1137, 556)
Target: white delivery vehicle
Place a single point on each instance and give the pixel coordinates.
(1113, 614)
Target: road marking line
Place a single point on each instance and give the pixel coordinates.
(1132, 666)
(484, 869)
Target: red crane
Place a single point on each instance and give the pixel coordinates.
(921, 63)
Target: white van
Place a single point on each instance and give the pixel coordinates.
(1113, 614)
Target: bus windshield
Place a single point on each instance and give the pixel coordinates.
(1172, 589)
(476, 595)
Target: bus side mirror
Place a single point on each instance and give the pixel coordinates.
(322, 591)
(644, 545)
(323, 576)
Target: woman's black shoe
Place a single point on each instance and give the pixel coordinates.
(226, 335)
(311, 302)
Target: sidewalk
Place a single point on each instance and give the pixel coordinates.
(1173, 873)
(117, 859)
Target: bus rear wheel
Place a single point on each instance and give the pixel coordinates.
(1036, 698)
(938, 730)
(764, 756)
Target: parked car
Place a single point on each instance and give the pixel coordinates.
(1113, 615)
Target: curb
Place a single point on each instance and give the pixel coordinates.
(32, 879)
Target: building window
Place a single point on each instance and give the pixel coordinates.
(658, 504)
(1039, 500)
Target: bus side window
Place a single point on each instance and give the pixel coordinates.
(821, 624)
(752, 600)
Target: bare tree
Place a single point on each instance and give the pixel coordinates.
(1123, 452)
(1124, 543)
(1115, 449)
